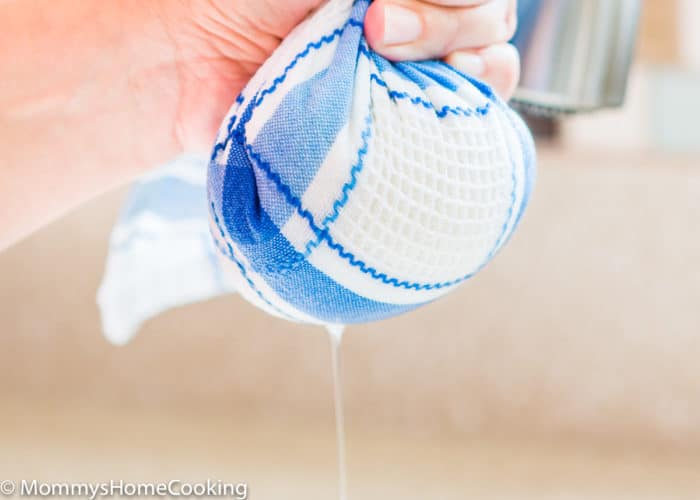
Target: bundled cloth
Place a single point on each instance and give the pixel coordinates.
(346, 188)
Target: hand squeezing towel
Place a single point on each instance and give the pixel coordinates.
(346, 188)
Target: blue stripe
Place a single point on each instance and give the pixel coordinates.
(440, 112)
(290, 150)
(314, 293)
(311, 46)
(323, 100)
(246, 220)
(285, 145)
(220, 146)
(480, 86)
(338, 204)
(410, 74)
(254, 180)
(437, 72)
(311, 291)
(227, 249)
(171, 198)
(324, 235)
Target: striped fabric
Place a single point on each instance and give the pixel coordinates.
(344, 188)
(161, 254)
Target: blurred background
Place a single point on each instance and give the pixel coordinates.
(568, 369)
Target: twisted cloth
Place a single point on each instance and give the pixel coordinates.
(345, 188)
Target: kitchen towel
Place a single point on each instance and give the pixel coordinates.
(342, 188)
(345, 188)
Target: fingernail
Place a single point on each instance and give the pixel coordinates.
(471, 64)
(401, 25)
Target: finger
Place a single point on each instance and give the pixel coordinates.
(497, 65)
(415, 30)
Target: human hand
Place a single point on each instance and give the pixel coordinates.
(220, 44)
(471, 35)
(97, 93)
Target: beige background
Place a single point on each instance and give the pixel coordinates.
(567, 370)
(582, 335)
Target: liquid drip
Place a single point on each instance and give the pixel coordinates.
(335, 335)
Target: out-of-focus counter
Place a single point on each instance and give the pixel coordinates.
(585, 330)
(297, 461)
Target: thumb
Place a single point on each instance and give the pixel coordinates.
(421, 29)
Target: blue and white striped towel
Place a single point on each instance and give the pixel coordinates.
(161, 254)
(344, 188)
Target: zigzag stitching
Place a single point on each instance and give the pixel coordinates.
(280, 79)
(323, 234)
(220, 146)
(441, 113)
(339, 203)
(419, 101)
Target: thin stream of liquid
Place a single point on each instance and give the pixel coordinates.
(335, 335)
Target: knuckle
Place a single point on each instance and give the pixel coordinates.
(444, 30)
(505, 20)
(496, 29)
(452, 28)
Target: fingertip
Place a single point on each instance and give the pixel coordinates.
(502, 68)
(497, 65)
(374, 25)
(468, 62)
(395, 29)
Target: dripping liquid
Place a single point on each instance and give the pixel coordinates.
(335, 335)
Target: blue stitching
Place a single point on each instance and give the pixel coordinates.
(301, 55)
(418, 101)
(354, 171)
(441, 113)
(323, 234)
(528, 164)
(325, 39)
(338, 204)
(513, 197)
(220, 146)
(231, 255)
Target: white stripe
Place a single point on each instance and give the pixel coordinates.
(516, 155)
(473, 97)
(396, 83)
(330, 17)
(298, 232)
(329, 262)
(327, 185)
(440, 96)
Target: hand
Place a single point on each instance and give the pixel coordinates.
(471, 35)
(220, 44)
(99, 92)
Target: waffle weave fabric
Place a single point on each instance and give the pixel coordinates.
(345, 188)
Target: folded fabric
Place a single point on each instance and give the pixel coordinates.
(160, 254)
(345, 188)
